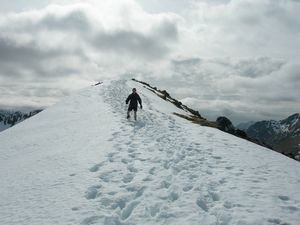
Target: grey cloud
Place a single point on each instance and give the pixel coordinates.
(75, 21)
(150, 46)
(250, 28)
(130, 43)
(77, 30)
(292, 73)
(279, 13)
(45, 92)
(238, 88)
(48, 47)
(187, 62)
(10, 51)
(166, 30)
(15, 58)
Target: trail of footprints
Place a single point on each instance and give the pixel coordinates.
(165, 160)
(169, 166)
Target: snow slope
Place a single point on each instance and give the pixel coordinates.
(82, 162)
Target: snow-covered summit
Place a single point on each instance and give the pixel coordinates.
(286, 127)
(82, 162)
(282, 135)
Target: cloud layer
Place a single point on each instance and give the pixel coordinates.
(234, 58)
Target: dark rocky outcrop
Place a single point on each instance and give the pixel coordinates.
(225, 125)
(241, 133)
(98, 83)
(166, 96)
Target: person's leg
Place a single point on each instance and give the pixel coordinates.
(129, 110)
(134, 114)
(128, 115)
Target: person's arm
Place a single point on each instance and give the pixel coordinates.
(140, 101)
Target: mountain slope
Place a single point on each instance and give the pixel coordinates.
(158, 170)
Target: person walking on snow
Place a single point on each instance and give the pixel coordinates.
(134, 99)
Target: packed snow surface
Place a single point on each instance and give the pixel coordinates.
(82, 162)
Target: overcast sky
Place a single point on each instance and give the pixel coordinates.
(236, 58)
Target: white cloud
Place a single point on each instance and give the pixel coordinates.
(245, 28)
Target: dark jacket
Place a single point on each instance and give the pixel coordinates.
(134, 99)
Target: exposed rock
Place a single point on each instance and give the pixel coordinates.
(225, 125)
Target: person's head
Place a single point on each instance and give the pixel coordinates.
(133, 90)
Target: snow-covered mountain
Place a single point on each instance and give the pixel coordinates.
(58, 168)
(9, 118)
(276, 133)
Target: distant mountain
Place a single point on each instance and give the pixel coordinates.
(9, 118)
(282, 135)
(245, 126)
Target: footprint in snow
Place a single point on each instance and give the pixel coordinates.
(132, 155)
(128, 178)
(204, 201)
(140, 192)
(291, 208)
(276, 221)
(92, 192)
(106, 176)
(148, 178)
(214, 196)
(229, 167)
(152, 170)
(107, 202)
(217, 157)
(132, 169)
(187, 188)
(153, 210)
(110, 156)
(115, 134)
(283, 198)
(201, 203)
(96, 167)
(127, 211)
(173, 196)
(165, 184)
(209, 135)
(120, 203)
(90, 220)
(167, 164)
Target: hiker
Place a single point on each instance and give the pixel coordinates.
(134, 99)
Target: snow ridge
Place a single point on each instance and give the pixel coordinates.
(159, 169)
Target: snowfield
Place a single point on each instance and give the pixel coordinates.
(82, 162)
